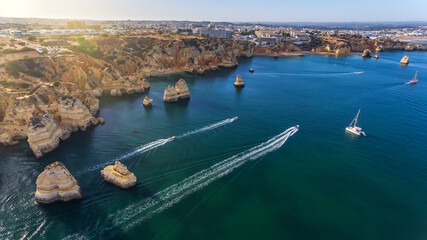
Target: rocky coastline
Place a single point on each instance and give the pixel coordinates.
(45, 99)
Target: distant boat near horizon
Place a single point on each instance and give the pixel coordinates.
(353, 128)
(414, 79)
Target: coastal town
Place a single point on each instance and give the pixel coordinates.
(260, 34)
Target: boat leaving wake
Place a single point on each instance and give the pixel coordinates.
(209, 127)
(145, 209)
(155, 144)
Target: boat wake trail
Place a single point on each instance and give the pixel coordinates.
(155, 144)
(142, 149)
(209, 127)
(145, 209)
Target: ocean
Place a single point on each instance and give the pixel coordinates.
(251, 178)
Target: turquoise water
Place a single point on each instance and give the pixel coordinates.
(321, 184)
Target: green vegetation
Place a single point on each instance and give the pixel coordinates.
(27, 66)
(33, 90)
(6, 84)
(13, 69)
(121, 61)
(89, 48)
(21, 44)
(56, 84)
(24, 49)
(245, 33)
(32, 38)
(15, 86)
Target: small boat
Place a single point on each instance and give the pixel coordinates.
(353, 128)
(414, 80)
(235, 118)
(296, 126)
(171, 138)
(134, 130)
(251, 70)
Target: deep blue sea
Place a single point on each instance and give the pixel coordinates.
(224, 179)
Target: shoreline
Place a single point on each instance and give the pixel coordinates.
(304, 53)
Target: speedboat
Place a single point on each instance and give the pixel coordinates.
(296, 126)
(235, 118)
(251, 70)
(353, 128)
(414, 80)
(171, 138)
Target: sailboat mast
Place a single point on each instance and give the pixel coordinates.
(355, 119)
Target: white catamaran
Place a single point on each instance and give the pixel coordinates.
(355, 129)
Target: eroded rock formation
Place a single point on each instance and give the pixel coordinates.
(47, 116)
(239, 82)
(174, 93)
(147, 102)
(56, 183)
(404, 60)
(367, 53)
(119, 175)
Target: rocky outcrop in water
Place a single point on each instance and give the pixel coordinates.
(174, 93)
(56, 183)
(170, 94)
(404, 60)
(239, 82)
(367, 53)
(182, 89)
(118, 175)
(147, 102)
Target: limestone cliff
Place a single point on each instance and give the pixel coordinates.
(56, 183)
(44, 134)
(339, 45)
(118, 175)
(47, 115)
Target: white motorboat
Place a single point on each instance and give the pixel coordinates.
(353, 128)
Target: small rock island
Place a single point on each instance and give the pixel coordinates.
(119, 175)
(180, 91)
(147, 102)
(404, 60)
(56, 183)
(367, 53)
(239, 82)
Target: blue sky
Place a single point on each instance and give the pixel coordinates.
(221, 10)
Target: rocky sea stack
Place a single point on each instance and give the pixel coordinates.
(367, 53)
(147, 102)
(405, 60)
(56, 183)
(180, 91)
(119, 175)
(239, 82)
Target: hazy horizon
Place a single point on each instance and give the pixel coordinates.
(239, 11)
